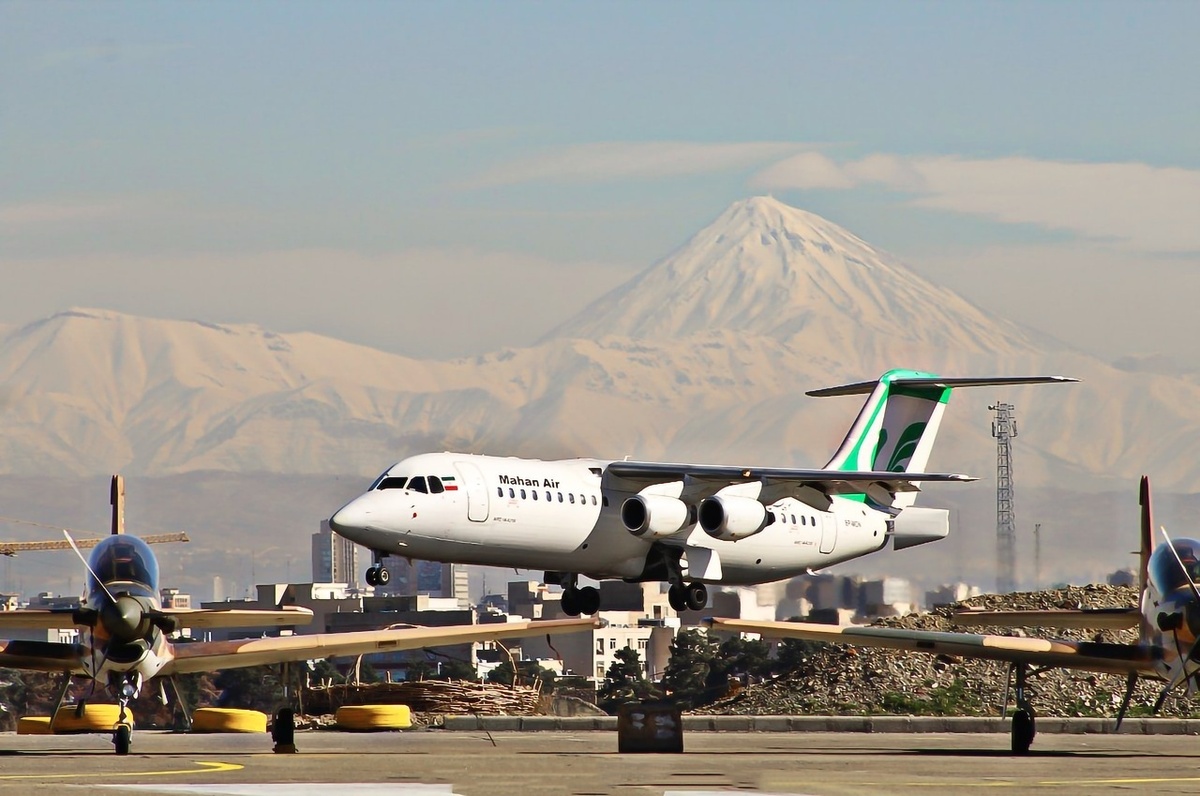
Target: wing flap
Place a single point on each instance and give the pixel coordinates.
(213, 655)
(1073, 619)
(44, 656)
(207, 618)
(1084, 655)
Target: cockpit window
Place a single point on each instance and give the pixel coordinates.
(375, 484)
(395, 482)
(435, 485)
(417, 484)
(1164, 570)
(125, 560)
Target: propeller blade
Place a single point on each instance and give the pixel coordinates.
(88, 566)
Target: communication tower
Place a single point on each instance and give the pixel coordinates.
(1004, 428)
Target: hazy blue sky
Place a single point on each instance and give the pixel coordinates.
(371, 169)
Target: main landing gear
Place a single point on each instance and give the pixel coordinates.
(687, 596)
(378, 575)
(576, 601)
(1024, 723)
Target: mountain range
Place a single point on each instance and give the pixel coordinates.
(703, 356)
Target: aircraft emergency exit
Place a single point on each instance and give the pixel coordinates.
(686, 524)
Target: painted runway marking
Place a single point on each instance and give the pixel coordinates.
(205, 768)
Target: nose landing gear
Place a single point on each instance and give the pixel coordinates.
(123, 732)
(378, 575)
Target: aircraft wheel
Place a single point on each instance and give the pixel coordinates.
(676, 598)
(696, 596)
(570, 602)
(589, 600)
(372, 576)
(122, 738)
(1022, 732)
(382, 576)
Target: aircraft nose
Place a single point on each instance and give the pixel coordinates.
(351, 517)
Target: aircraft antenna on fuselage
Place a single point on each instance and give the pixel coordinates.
(117, 498)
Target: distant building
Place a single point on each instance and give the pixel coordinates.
(334, 558)
(950, 593)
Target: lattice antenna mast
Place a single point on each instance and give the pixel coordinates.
(1004, 428)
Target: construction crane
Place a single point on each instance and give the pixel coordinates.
(117, 499)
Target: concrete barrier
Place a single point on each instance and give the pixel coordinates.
(862, 724)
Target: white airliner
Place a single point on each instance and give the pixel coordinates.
(686, 524)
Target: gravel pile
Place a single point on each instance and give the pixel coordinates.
(841, 680)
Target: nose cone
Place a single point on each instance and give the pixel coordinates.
(354, 516)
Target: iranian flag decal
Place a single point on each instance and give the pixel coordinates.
(450, 484)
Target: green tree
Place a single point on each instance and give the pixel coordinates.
(689, 678)
(625, 681)
(793, 653)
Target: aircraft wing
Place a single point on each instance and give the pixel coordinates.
(213, 655)
(1085, 655)
(1078, 619)
(38, 619)
(57, 618)
(284, 616)
(43, 656)
(829, 482)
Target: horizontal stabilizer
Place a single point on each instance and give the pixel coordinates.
(865, 387)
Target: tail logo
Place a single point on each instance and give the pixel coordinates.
(905, 447)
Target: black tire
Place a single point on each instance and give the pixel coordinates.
(1022, 732)
(696, 596)
(122, 738)
(589, 600)
(676, 598)
(570, 602)
(383, 577)
(371, 579)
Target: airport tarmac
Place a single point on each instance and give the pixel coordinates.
(535, 763)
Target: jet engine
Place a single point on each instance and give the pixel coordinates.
(655, 516)
(730, 518)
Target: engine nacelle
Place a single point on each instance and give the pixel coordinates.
(655, 516)
(730, 518)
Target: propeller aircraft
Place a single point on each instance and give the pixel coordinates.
(124, 632)
(1167, 620)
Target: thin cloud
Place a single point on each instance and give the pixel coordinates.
(609, 161)
(1138, 206)
(109, 51)
(42, 214)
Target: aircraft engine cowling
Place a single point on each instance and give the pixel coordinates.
(731, 518)
(655, 516)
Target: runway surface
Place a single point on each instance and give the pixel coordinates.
(530, 764)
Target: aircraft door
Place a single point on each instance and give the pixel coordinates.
(477, 492)
(829, 524)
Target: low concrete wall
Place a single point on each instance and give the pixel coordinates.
(880, 724)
